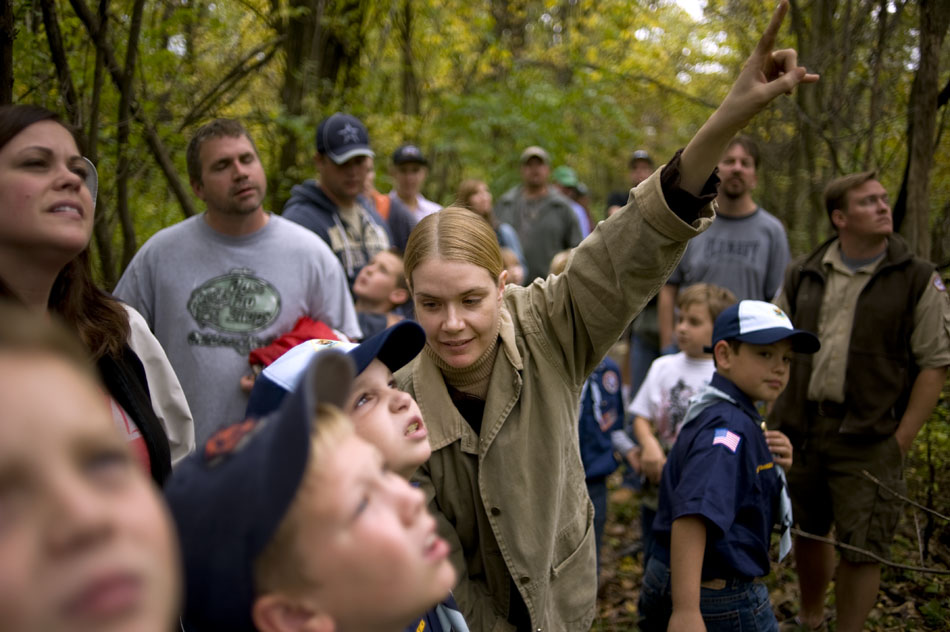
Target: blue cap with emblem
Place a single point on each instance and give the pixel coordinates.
(760, 323)
(341, 137)
(395, 347)
(229, 497)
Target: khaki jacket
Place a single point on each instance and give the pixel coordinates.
(512, 502)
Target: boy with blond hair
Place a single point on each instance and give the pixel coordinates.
(661, 401)
(369, 557)
(721, 492)
(380, 292)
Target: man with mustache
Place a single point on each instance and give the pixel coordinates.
(745, 251)
(231, 279)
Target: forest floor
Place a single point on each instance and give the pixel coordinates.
(908, 600)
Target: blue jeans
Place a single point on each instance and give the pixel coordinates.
(646, 538)
(740, 606)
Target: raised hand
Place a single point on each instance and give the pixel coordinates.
(766, 74)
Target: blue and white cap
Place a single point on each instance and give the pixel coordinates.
(395, 347)
(761, 323)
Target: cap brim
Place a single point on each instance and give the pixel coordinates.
(802, 341)
(351, 153)
(395, 347)
(327, 380)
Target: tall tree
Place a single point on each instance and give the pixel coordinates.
(7, 35)
(122, 138)
(914, 201)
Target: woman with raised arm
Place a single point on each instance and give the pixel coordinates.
(47, 210)
(499, 380)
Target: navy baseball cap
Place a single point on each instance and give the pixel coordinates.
(409, 153)
(395, 347)
(341, 137)
(230, 495)
(761, 323)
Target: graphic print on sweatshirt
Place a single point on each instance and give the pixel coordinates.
(235, 305)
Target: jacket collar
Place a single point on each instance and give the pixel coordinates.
(446, 425)
(897, 254)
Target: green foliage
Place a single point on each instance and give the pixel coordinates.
(590, 81)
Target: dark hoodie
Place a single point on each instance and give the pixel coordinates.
(310, 207)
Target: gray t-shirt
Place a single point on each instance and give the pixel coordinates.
(747, 255)
(210, 299)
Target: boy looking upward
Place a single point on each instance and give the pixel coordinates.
(294, 522)
(383, 415)
(661, 401)
(379, 289)
(720, 492)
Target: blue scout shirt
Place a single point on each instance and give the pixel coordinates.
(601, 415)
(720, 468)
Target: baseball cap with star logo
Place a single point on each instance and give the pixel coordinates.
(341, 137)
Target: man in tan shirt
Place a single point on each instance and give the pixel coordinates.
(883, 318)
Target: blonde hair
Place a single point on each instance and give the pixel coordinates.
(559, 261)
(277, 567)
(510, 258)
(454, 234)
(715, 298)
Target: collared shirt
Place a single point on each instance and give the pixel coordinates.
(423, 206)
(721, 469)
(930, 340)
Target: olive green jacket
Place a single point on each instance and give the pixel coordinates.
(512, 502)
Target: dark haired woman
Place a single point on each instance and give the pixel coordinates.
(46, 219)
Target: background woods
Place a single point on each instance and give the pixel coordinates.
(473, 82)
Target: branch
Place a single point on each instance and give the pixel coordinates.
(237, 72)
(151, 136)
(621, 75)
(876, 558)
(876, 481)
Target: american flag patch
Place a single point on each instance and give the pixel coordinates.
(727, 438)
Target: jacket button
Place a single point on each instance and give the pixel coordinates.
(526, 580)
(495, 511)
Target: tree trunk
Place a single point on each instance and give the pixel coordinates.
(122, 141)
(7, 35)
(806, 183)
(103, 225)
(58, 54)
(298, 44)
(410, 83)
(339, 38)
(874, 108)
(933, 20)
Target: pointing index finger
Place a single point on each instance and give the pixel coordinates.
(767, 41)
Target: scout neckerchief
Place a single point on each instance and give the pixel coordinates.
(712, 395)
